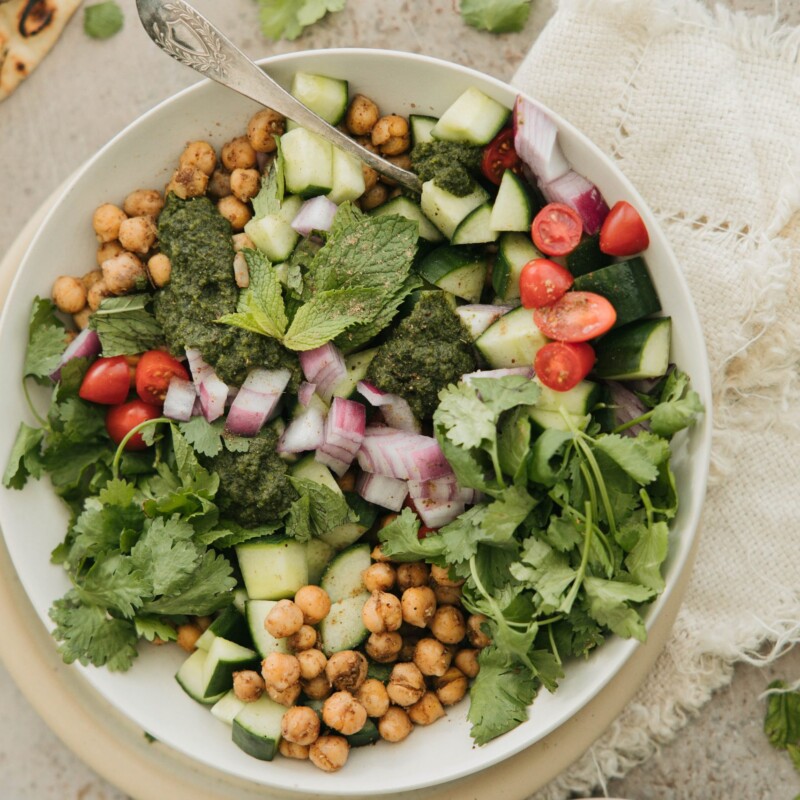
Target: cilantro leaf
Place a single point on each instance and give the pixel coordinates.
(513, 445)
(285, 19)
(99, 528)
(400, 541)
(507, 513)
(208, 438)
(467, 421)
(607, 603)
(103, 20)
(782, 720)
(113, 582)
(165, 554)
(496, 16)
(46, 341)
(645, 559)
(630, 455)
(152, 628)
(544, 570)
(125, 326)
(506, 393)
(25, 459)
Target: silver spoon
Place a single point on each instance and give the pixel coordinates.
(187, 36)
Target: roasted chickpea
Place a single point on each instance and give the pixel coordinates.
(81, 319)
(262, 129)
(452, 686)
(373, 696)
(106, 221)
(377, 554)
(442, 576)
(384, 647)
(317, 688)
(329, 753)
(395, 725)
(366, 142)
(285, 619)
(159, 268)
(467, 662)
(235, 211)
(238, 154)
(219, 184)
(375, 197)
(143, 203)
(304, 639)
(245, 183)
(448, 625)
(242, 241)
(382, 612)
(447, 595)
(188, 635)
(314, 604)
(370, 177)
(300, 724)
(105, 251)
(426, 710)
(407, 650)
(413, 573)
(286, 697)
(406, 684)
(187, 182)
(122, 274)
(362, 114)
(379, 577)
(390, 135)
(404, 162)
(98, 292)
(344, 713)
(291, 750)
(138, 234)
(69, 294)
(475, 631)
(199, 155)
(346, 670)
(347, 482)
(248, 685)
(419, 605)
(385, 520)
(432, 657)
(280, 671)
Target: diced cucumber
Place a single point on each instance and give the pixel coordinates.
(311, 470)
(474, 118)
(515, 250)
(512, 341)
(342, 628)
(421, 127)
(445, 210)
(224, 658)
(227, 707)
(476, 227)
(190, 678)
(257, 728)
(318, 555)
(272, 568)
(627, 286)
(230, 624)
(325, 96)
(544, 420)
(579, 400)
(476, 318)
(513, 209)
(343, 535)
(587, 257)
(239, 599)
(458, 270)
(308, 163)
(273, 234)
(404, 207)
(343, 578)
(357, 365)
(348, 177)
(367, 735)
(639, 350)
(264, 642)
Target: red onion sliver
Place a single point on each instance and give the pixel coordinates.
(439, 489)
(180, 399)
(315, 214)
(404, 455)
(382, 490)
(258, 397)
(325, 367)
(435, 514)
(536, 141)
(85, 345)
(581, 195)
(213, 391)
(336, 464)
(477, 317)
(305, 393)
(395, 409)
(305, 432)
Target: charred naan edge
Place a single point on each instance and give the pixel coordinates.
(28, 29)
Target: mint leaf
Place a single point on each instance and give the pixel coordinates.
(285, 19)
(103, 20)
(298, 523)
(46, 341)
(496, 16)
(607, 603)
(232, 534)
(24, 460)
(270, 195)
(125, 326)
(327, 509)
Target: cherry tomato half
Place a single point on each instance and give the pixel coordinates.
(154, 372)
(576, 317)
(563, 365)
(121, 419)
(499, 155)
(542, 282)
(107, 381)
(556, 229)
(623, 232)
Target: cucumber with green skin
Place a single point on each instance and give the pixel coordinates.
(461, 271)
(639, 350)
(513, 208)
(225, 658)
(190, 678)
(325, 96)
(231, 625)
(474, 118)
(588, 257)
(421, 127)
(273, 568)
(404, 207)
(515, 250)
(263, 641)
(445, 210)
(512, 341)
(476, 227)
(257, 728)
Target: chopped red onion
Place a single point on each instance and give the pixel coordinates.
(305, 393)
(477, 317)
(213, 392)
(85, 345)
(325, 367)
(180, 399)
(440, 489)
(346, 424)
(258, 397)
(436, 514)
(395, 409)
(382, 490)
(625, 406)
(338, 465)
(581, 195)
(536, 141)
(315, 214)
(404, 455)
(305, 432)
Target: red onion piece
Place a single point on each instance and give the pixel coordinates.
(625, 406)
(258, 397)
(382, 490)
(338, 465)
(435, 514)
(345, 424)
(536, 141)
(305, 432)
(213, 391)
(180, 399)
(325, 367)
(305, 393)
(85, 345)
(404, 455)
(395, 409)
(477, 317)
(440, 489)
(315, 214)
(582, 196)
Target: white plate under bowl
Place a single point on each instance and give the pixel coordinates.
(33, 521)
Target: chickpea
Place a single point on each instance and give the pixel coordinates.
(452, 686)
(312, 663)
(285, 619)
(200, 155)
(426, 710)
(245, 183)
(304, 639)
(285, 697)
(391, 136)
(406, 684)
(204, 622)
(187, 182)
(248, 685)
(447, 595)
(300, 725)
(69, 294)
(377, 554)
(291, 750)
(122, 274)
(159, 268)
(235, 211)
(81, 319)
(262, 129)
(382, 612)
(344, 713)
(280, 670)
(375, 197)
(476, 633)
(413, 573)
(467, 662)
(432, 657)
(387, 519)
(347, 482)
(384, 647)
(366, 142)
(329, 753)
(143, 203)
(105, 251)
(404, 162)
(442, 576)
(138, 234)
(362, 114)
(346, 670)
(317, 688)
(219, 185)
(313, 603)
(188, 635)
(419, 605)
(395, 725)
(238, 153)
(379, 577)
(97, 294)
(370, 177)
(373, 696)
(242, 241)
(448, 625)
(106, 221)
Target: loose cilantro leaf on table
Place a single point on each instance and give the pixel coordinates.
(125, 325)
(782, 720)
(103, 20)
(496, 16)
(286, 19)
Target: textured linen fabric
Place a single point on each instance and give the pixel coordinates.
(701, 110)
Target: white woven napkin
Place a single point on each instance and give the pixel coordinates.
(701, 110)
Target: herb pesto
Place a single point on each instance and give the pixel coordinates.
(450, 165)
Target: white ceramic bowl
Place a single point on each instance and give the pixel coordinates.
(33, 521)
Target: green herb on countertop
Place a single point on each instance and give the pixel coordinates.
(496, 16)
(103, 20)
(286, 19)
(782, 720)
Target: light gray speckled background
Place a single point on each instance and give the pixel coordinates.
(83, 94)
